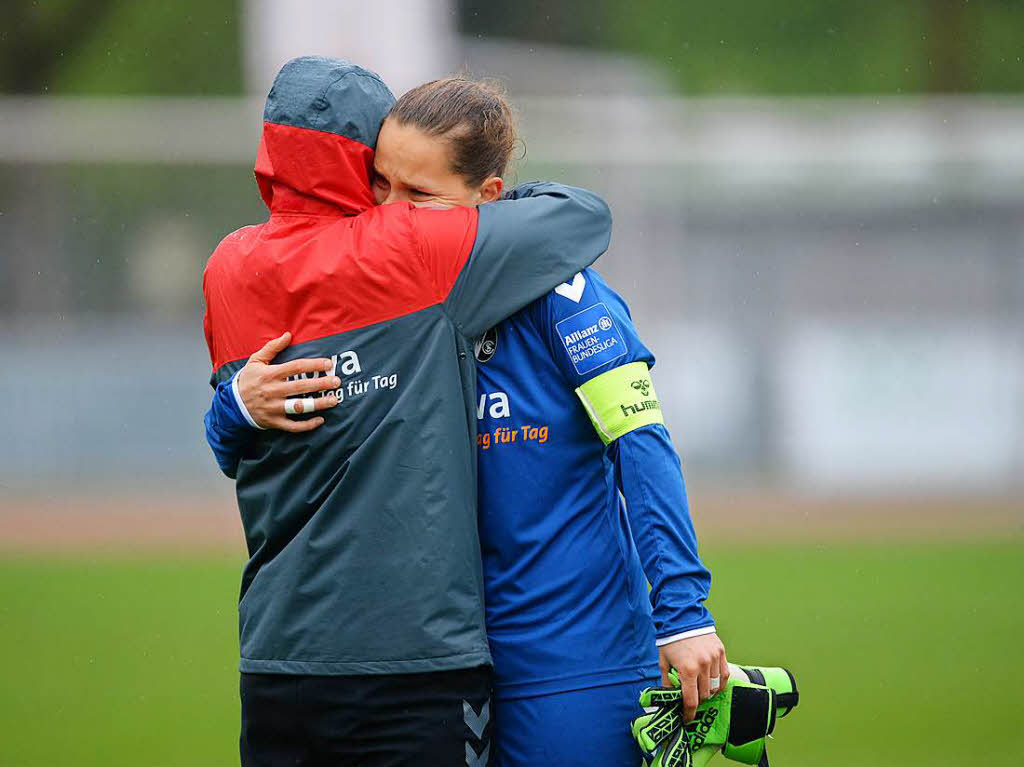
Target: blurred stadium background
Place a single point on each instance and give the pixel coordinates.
(819, 228)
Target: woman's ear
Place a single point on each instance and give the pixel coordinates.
(491, 189)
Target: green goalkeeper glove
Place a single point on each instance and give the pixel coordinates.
(735, 721)
(660, 733)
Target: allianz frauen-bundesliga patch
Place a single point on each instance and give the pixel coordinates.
(591, 338)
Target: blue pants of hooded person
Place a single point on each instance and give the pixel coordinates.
(583, 727)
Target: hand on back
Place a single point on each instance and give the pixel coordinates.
(265, 387)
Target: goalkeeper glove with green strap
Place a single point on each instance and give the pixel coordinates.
(735, 721)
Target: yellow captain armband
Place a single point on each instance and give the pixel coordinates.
(621, 400)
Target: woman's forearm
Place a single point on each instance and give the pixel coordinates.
(651, 480)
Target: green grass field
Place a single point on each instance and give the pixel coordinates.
(906, 654)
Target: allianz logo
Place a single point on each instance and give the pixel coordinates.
(604, 324)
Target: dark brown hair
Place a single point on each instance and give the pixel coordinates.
(473, 115)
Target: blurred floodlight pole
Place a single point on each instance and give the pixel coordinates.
(405, 41)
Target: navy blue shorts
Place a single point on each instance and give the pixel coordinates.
(583, 727)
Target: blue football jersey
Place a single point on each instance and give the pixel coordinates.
(566, 594)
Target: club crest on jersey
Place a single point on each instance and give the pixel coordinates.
(486, 345)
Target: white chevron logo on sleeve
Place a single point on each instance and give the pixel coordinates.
(477, 761)
(476, 722)
(573, 290)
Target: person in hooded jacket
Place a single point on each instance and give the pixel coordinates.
(361, 613)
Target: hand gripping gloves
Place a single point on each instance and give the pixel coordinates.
(735, 721)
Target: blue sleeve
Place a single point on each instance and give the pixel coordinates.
(227, 430)
(651, 480)
(589, 328)
(591, 331)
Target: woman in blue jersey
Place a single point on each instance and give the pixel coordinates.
(568, 420)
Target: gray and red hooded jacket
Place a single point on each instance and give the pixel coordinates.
(362, 535)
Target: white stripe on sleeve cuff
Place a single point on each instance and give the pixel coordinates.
(241, 405)
(686, 635)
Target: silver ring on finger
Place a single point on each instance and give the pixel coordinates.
(299, 406)
(714, 683)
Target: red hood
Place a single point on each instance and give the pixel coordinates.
(300, 170)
